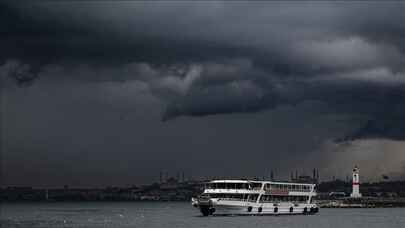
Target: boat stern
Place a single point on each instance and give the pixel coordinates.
(204, 203)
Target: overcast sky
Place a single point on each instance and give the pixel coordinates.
(97, 93)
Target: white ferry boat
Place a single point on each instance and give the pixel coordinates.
(245, 197)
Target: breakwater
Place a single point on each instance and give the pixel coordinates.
(366, 202)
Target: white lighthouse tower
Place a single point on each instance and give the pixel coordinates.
(356, 184)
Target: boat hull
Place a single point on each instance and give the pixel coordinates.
(223, 208)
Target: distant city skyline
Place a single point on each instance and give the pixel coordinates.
(111, 93)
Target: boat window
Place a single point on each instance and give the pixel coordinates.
(210, 186)
(256, 185)
(275, 186)
(265, 198)
(267, 187)
(253, 197)
(220, 185)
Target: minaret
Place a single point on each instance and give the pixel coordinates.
(356, 184)
(160, 177)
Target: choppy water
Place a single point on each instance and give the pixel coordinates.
(182, 215)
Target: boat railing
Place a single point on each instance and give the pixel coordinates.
(233, 190)
(236, 199)
(286, 190)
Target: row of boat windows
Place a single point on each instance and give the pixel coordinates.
(233, 186)
(288, 187)
(263, 198)
(236, 197)
(271, 198)
(250, 186)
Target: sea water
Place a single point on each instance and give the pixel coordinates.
(182, 215)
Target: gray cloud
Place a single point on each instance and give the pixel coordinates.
(19, 73)
(374, 156)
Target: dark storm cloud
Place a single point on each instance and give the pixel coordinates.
(238, 96)
(387, 119)
(180, 31)
(73, 32)
(98, 76)
(210, 58)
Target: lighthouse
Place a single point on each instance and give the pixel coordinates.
(356, 184)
